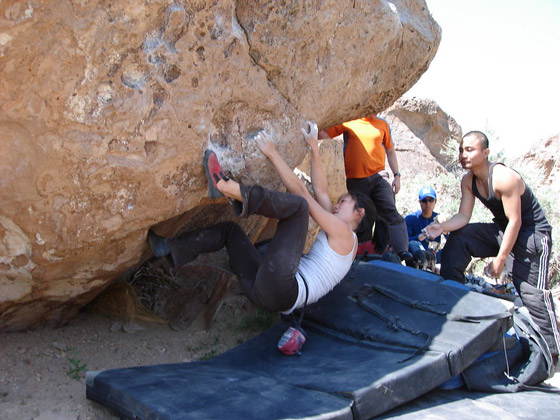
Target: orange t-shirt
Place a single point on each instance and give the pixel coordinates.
(367, 140)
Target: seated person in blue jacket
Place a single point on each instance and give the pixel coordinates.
(418, 244)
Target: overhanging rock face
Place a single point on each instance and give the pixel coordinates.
(107, 107)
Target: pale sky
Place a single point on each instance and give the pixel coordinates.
(497, 68)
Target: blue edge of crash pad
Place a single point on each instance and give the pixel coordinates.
(359, 361)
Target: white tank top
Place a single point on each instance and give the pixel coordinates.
(323, 269)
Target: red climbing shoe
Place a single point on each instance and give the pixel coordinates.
(214, 173)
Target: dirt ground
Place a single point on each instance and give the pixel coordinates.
(42, 372)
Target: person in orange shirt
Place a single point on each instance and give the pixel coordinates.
(367, 142)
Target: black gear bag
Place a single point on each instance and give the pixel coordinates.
(522, 367)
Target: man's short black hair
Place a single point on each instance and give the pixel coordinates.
(480, 136)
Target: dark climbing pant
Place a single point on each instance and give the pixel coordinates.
(268, 280)
(381, 193)
(527, 265)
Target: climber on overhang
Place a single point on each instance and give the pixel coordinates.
(282, 279)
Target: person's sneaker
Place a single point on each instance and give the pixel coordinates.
(158, 244)
(391, 256)
(292, 341)
(214, 173)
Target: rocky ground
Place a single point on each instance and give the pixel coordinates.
(42, 372)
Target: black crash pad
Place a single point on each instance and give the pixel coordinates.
(352, 358)
(401, 322)
(461, 404)
(202, 390)
(372, 375)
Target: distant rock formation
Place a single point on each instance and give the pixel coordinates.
(543, 159)
(413, 119)
(420, 129)
(107, 107)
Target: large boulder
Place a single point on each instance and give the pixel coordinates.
(107, 107)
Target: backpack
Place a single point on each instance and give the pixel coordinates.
(522, 367)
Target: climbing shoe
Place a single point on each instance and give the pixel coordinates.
(158, 244)
(214, 173)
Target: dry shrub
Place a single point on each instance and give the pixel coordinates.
(120, 301)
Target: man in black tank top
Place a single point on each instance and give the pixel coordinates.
(519, 237)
